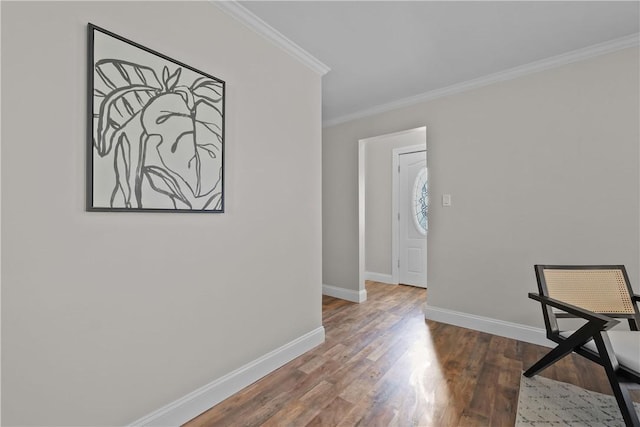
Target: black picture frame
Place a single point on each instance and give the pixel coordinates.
(155, 130)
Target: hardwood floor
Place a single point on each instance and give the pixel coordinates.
(383, 364)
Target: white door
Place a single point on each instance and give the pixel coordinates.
(412, 209)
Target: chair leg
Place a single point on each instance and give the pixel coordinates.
(625, 403)
(549, 359)
(620, 392)
(579, 337)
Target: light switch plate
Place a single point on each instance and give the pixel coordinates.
(446, 200)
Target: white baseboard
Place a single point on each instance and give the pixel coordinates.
(198, 401)
(345, 294)
(492, 326)
(379, 277)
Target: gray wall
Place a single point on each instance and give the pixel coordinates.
(106, 317)
(378, 198)
(541, 169)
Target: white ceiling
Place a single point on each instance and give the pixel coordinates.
(380, 52)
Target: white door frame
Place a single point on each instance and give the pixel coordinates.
(395, 190)
(362, 145)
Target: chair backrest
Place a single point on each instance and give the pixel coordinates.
(603, 289)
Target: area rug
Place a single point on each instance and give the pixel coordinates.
(544, 402)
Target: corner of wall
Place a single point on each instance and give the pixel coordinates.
(379, 277)
(345, 294)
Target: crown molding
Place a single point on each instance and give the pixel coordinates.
(512, 73)
(253, 22)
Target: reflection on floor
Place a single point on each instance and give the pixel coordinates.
(382, 364)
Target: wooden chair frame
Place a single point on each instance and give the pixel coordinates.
(595, 328)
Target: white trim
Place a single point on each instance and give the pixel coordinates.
(345, 294)
(379, 277)
(512, 73)
(362, 144)
(198, 401)
(253, 22)
(511, 330)
(399, 133)
(395, 190)
(361, 213)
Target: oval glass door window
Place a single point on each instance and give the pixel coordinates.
(421, 201)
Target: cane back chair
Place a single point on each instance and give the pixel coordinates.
(597, 294)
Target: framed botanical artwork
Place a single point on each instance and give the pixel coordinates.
(155, 130)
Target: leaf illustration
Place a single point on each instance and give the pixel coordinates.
(189, 145)
(209, 118)
(186, 94)
(172, 81)
(116, 73)
(165, 76)
(125, 89)
(116, 110)
(205, 104)
(209, 90)
(214, 200)
(206, 81)
(122, 168)
(165, 182)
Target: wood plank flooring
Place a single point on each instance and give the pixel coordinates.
(382, 364)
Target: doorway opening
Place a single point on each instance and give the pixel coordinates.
(391, 216)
